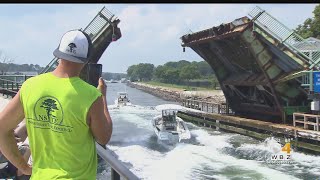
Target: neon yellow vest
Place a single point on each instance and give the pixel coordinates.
(62, 146)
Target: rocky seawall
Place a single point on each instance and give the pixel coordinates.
(177, 95)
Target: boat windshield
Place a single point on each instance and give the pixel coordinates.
(123, 95)
(169, 115)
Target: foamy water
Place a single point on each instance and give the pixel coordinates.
(209, 154)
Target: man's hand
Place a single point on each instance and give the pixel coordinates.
(100, 120)
(102, 87)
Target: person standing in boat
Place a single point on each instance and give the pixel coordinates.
(64, 117)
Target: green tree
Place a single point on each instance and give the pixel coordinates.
(130, 70)
(172, 75)
(132, 73)
(50, 106)
(214, 81)
(159, 72)
(144, 71)
(189, 72)
(311, 26)
(204, 69)
(171, 72)
(180, 64)
(141, 71)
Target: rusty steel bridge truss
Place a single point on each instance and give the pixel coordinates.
(259, 64)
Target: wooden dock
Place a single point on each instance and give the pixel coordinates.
(304, 139)
(307, 120)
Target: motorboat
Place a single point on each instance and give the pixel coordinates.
(113, 81)
(168, 126)
(123, 99)
(123, 80)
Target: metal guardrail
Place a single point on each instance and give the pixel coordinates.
(117, 168)
(8, 87)
(286, 36)
(222, 108)
(10, 84)
(98, 23)
(16, 78)
(307, 79)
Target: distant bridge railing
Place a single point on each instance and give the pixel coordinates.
(17, 78)
(285, 35)
(222, 108)
(10, 84)
(8, 87)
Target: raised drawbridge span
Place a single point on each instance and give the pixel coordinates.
(261, 64)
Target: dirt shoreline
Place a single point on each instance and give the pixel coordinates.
(174, 94)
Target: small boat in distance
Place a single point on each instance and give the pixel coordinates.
(113, 81)
(168, 127)
(123, 99)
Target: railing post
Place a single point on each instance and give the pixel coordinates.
(114, 175)
(290, 34)
(311, 80)
(227, 108)
(305, 122)
(317, 123)
(258, 15)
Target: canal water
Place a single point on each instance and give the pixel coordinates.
(210, 154)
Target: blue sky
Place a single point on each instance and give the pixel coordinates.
(150, 32)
